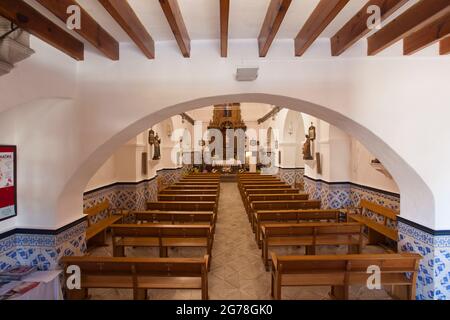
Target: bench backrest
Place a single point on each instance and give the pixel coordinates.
(353, 263)
(287, 190)
(270, 197)
(312, 229)
(378, 209)
(193, 186)
(174, 217)
(182, 206)
(135, 267)
(298, 215)
(161, 231)
(266, 186)
(102, 208)
(285, 204)
(203, 183)
(189, 191)
(187, 197)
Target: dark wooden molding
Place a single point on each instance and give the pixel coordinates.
(269, 115)
(90, 29)
(356, 28)
(224, 22)
(126, 17)
(173, 15)
(427, 36)
(412, 20)
(30, 20)
(188, 118)
(322, 16)
(274, 17)
(444, 46)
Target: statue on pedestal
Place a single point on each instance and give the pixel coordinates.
(157, 148)
(307, 155)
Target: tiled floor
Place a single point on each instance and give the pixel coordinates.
(237, 270)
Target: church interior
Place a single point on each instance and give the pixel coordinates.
(224, 150)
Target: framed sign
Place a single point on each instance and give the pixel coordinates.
(8, 182)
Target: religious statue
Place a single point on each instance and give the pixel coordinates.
(157, 148)
(307, 149)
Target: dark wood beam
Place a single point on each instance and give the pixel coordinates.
(224, 21)
(187, 118)
(444, 46)
(30, 20)
(173, 14)
(323, 14)
(427, 36)
(269, 115)
(274, 17)
(412, 20)
(356, 28)
(90, 29)
(124, 15)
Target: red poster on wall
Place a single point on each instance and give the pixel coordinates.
(8, 186)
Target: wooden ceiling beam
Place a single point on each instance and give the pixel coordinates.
(274, 17)
(90, 29)
(224, 22)
(172, 12)
(412, 20)
(444, 46)
(427, 36)
(30, 20)
(356, 28)
(322, 16)
(125, 16)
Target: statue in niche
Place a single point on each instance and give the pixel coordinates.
(157, 148)
(155, 142)
(307, 149)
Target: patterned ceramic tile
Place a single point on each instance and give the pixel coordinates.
(291, 176)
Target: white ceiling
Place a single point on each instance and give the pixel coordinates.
(202, 18)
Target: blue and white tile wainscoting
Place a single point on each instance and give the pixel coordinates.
(42, 248)
(132, 195)
(291, 176)
(433, 282)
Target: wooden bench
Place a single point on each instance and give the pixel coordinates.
(192, 186)
(138, 274)
(341, 271)
(176, 217)
(190, 191)
(293, 216)
(273, 197)
(182, 206)
(281, 205)
(377, 232)
(244, 189)
(160, 236)
(311, 235)
(187, 197)
(200, 183)
(96, 231)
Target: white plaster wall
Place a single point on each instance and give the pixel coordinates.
(382, 94)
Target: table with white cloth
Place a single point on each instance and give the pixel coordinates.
(49, 287)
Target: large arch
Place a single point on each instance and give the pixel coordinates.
(416, 195)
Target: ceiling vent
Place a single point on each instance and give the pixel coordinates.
(247, 74)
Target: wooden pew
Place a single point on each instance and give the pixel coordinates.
(200, 183)
(182, 206)
(311, 235)
(96, 232)
(196, 180)
(138, 274)
(293, 216)
(190, 191)
(272, 197)
(286, 190)
(341, 271)
(377, 232)
(188, 197)
(243, 189)
(280, 205)
(176, 217)
(160, 236)
(192, 186)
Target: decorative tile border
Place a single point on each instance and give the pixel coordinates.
(42, 248)
(291, 176)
